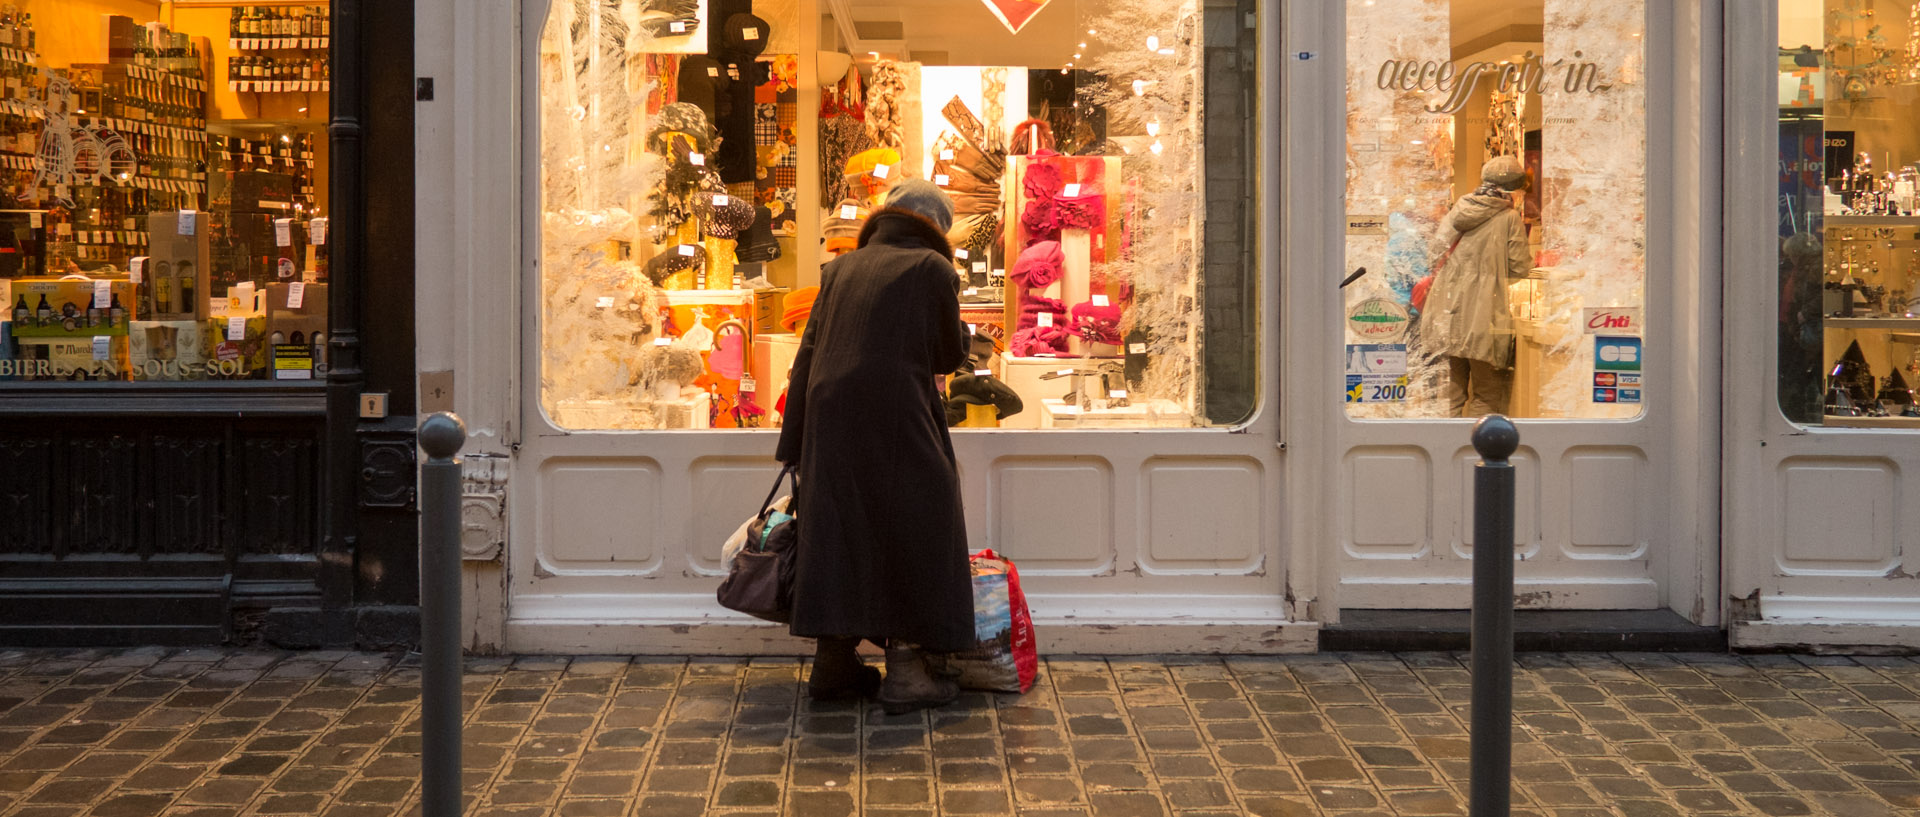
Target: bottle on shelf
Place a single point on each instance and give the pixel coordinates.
(21, 312)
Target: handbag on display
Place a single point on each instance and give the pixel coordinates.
(759, 559)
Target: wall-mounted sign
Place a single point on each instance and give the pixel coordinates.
(1611, 320)
(1530, 74)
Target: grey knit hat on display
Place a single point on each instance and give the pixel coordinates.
(924, 198)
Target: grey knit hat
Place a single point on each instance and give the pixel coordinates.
(922, 197)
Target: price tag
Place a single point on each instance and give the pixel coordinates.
(1117, 394)
(960, 253)
(946, 155)
(979, 266)
(721, 200)
(604, 302)
(33, 220)
(847, 212)
(677, 27)
(102, 294)
(1137, 348)
(982, 372)
(317, 231)
(296, 294)
(972, 329)
(750, 33)
(970, 291)
(137, 268)
(881, 171)
(236, 328)
(129, 224)
(941, 179)
(713, 71)
(698, 159)
(101, 347)
(1071, 191)
(1064, 372)
(1044, 318)
(1100, 300)
(748, 384)
(186, 222)
(283, 232)
(663, 341)
(686, 250)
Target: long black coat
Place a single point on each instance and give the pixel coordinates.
(883, 545)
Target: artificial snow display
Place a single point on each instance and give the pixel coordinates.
(1150, 57)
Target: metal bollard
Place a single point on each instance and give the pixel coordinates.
(441, 437)
(1491, 745)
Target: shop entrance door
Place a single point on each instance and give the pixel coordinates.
(1615, 494)
(1149, 536)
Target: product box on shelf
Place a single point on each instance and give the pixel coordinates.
(297, 330)
(235, 347)
(250, 191)
(70, 307)
(177, 268)
(102, 358)
(168, 350)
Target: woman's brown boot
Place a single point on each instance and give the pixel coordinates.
(910, 686)
(838, 673)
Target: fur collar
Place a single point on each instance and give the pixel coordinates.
(897, 226)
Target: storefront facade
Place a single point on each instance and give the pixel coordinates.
(192, 210)
(1276, 447)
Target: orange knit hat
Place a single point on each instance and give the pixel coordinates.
(799, 305)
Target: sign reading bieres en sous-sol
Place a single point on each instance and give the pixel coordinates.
(111, 369)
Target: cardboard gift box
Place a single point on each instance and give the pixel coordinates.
(70, 359)
(230, 359)
(66, 307)
(167, 350)
(178, 266)
(297, 334)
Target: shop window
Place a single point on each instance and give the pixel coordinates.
(164, 213)
(1495, 209)
(1098, 156)
(1849, 220)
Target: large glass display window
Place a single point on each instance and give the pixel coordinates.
(163, 167)
(1849, 213)
(1097, 155)
(1495, 209)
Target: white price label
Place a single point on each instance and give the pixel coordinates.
(686, 250)
(721, 200)
(33, 220)
(137, 268)
(101, 347)
(713, 71)
(698, 159)
(849, 212)
(1044, 318)
(296, 294)
(604, 302)
(979, 266)
(748, 384)
(1137, 348)
(750, 33)
(102, 294)
(236, 328)
(1100, 300)
(941, 179)
(960, 253)
(663, 341)
(317, 231)
(677, 27)
(1071, 191)
(186, 222)
(982, 372)
(283, 232)
(970, 291)
(1064, 372)
(881, 171)
(946, 155)
(1117, 394)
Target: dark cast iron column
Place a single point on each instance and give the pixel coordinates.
(345, 376)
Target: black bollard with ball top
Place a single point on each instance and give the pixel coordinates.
(441, 436)
(1491, 742)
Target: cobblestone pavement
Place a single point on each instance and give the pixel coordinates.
(225, 732)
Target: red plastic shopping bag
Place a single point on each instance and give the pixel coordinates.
(1004, 659)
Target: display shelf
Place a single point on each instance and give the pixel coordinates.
(280, 86)
(1871, 221)
(1832, 421)
(1883, 324)
(277, 43)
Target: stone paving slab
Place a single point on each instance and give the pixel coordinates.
(213, 733)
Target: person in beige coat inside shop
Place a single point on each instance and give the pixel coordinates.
(1464, 323)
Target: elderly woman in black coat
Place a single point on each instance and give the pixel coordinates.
(882, 544)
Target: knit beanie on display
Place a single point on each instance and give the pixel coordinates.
(924, 198)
